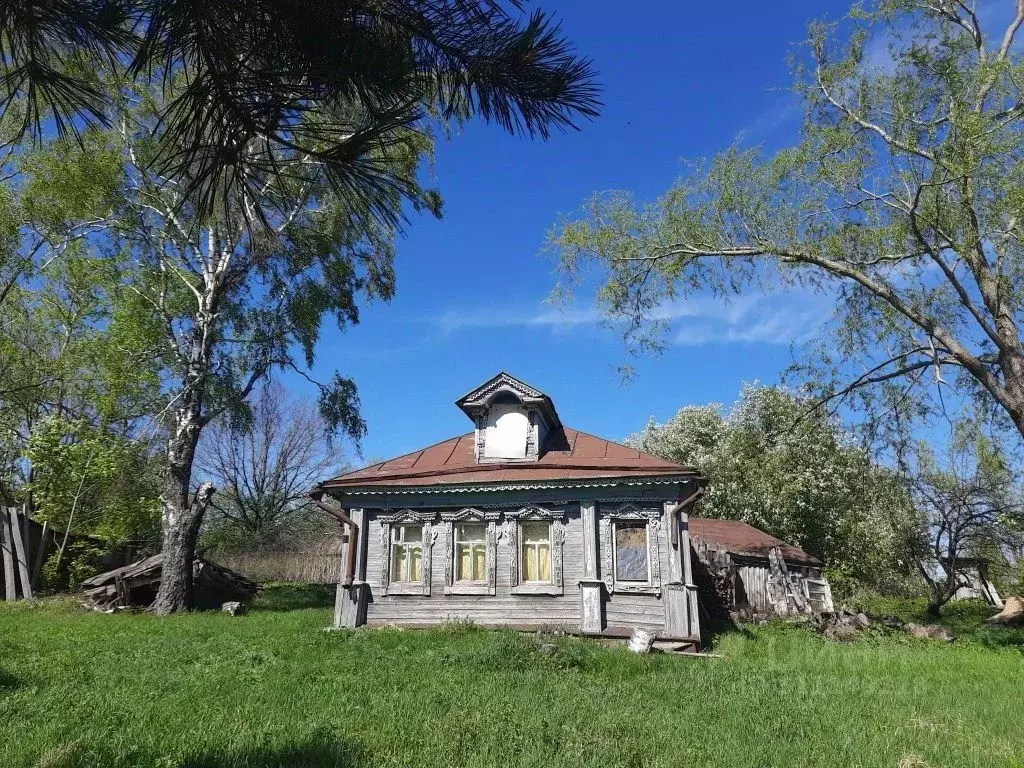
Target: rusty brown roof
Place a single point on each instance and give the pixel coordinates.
(569, 455)
(742, 539)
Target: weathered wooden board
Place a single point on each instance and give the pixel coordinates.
(40, 555)
(20, 552)
(7, 550)
(624, 609)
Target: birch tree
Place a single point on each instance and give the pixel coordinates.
(903, 201)
(223, 303)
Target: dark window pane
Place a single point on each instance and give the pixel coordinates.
(631, 552)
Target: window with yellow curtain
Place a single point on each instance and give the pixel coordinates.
(536, 545)
(406, 553)
(471, 552)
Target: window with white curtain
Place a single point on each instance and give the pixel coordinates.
(406, 553)
(535, 541)
(470, 540)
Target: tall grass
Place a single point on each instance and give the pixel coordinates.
(314, 563)
(274, 689)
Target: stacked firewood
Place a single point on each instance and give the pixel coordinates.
(136, 584)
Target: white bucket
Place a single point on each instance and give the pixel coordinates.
(641, 641)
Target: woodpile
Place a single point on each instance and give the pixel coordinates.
(136, 585)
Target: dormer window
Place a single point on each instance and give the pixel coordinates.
(508, 429)
(513, 420)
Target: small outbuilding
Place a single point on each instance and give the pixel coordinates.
(748, 569)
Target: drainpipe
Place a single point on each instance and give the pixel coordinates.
(677, 509)
(353, 534)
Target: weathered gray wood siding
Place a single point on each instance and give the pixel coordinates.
(755, 585)
(623, 610)
(503, 608)
(755, 579)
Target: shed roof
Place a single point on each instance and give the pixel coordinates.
(742, 539)
(568, 455)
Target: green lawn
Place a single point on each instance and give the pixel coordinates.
(273, 689)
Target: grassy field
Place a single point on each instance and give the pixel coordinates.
(273, 689)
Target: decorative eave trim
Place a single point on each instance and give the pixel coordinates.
(526, 485)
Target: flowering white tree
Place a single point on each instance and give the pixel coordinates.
(796, 476)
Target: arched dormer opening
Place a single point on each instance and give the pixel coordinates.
(512, 419)
(508, 428)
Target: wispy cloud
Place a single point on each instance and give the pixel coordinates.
(523, 317)
(782, 115)
(777, 319)
(766, 322)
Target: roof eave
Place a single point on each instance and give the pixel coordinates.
(511, 485)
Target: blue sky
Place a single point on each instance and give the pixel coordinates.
(681, 80)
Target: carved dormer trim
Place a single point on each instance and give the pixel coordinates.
(540, 413)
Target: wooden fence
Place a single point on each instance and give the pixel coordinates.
(24, 545)
(315, 563)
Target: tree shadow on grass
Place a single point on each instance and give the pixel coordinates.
(318, 753)
(294, 597)
(8, 682)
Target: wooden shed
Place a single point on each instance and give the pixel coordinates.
(756, 571)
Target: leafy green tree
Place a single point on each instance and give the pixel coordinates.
(89, 481)
(798, 477)
(66, 357)
(902, 200)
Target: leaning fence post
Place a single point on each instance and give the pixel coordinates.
(37, 566)
(8, 556)
(19, 550)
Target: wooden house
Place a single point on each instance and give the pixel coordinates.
(521, 522)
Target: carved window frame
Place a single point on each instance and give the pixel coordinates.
(513, 522)
(631, 513)
(448, 522)
(406, 517)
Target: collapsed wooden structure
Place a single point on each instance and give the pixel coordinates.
(136, 585)
(747, 570)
